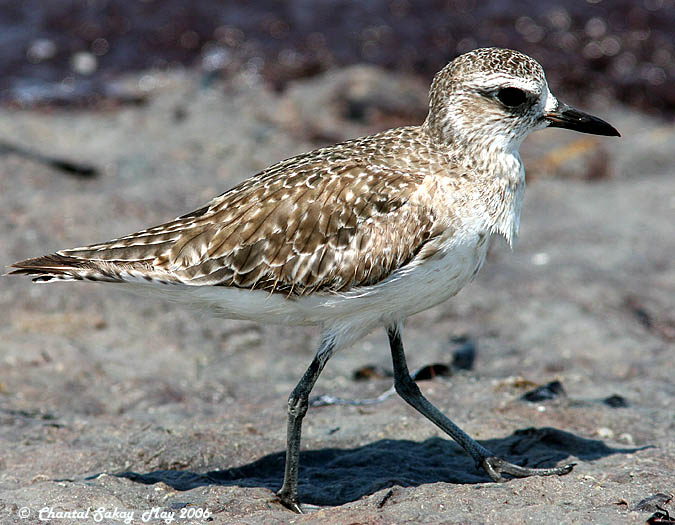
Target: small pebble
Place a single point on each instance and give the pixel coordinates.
(616, 401)
(430, 371)
(605, 433)
(545, 392)
(627, 438)
(464, 355)
(368, 372)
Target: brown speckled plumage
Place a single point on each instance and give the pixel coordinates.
(336, 218)
(357, 235)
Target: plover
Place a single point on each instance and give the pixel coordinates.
(357, 235)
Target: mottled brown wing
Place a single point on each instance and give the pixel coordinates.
(306, 224)
(326, 232)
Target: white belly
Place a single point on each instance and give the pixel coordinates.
(412, 289)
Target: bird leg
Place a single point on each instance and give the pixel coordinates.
(298, 402)
(409, 391)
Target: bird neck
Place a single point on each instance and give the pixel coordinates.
(495, 172)
(503, 196)
(485, 154)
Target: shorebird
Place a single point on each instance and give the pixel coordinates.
(356, 235)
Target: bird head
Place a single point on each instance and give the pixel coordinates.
(493, 98)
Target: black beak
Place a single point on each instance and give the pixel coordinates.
(567, 117)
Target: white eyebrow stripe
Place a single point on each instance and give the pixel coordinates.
(498, 80)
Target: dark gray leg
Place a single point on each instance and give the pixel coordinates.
(408, 390)
(298, 403)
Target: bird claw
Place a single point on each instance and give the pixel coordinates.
(289, 502)
(292, 504)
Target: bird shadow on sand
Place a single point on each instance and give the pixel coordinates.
(332, 476)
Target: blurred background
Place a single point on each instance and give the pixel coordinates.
(71, 51)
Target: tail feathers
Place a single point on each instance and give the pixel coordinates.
(58, 267)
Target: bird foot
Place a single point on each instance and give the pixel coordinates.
(295, 507)
(496, 466)
(289, 501)
(292, 503)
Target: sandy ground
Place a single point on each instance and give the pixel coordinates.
(128, 404)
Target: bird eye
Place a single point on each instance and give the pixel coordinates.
(511, 97)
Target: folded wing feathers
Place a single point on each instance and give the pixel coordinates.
(301, 226)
